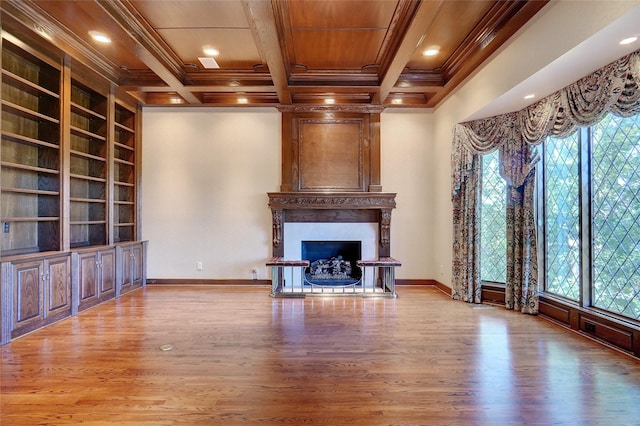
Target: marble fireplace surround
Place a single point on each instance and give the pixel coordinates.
(332, 207)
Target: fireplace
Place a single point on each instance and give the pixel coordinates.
(331, 192)
(332, 262)
(295, 234)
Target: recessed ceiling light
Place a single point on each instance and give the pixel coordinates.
(329, 101)
(530, 96)
(629, 40)
(243, 100)
(210, 51)
(432, 51)
(175, 100)
(396, 101)
(100, 37)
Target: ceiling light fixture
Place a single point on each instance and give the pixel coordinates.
(243, 100)
(629, 40)
(330, 101)
(210, 51)
(100, 37)
(396, 101)
(432, 51)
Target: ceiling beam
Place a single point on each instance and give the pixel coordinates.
(424, 17)
(149, 49)
(261, 17)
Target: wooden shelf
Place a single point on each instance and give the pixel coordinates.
(87, 133)
(30, 191)
(30, 168)
(31, 219)
(26, 112)
(14, 137)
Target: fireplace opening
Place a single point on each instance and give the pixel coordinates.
(332, 262)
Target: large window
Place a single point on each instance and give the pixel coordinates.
(493, 224)
(591, 197)
(562, 211)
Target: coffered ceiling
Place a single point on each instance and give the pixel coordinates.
(286, 53)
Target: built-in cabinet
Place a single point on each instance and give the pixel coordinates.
(94, 276)
(68, 188)
(35, 292)
(131, 275)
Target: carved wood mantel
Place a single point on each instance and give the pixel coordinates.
(332, 207)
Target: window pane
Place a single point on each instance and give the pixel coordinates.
(616, 215)
(493, 226)
(562, 216)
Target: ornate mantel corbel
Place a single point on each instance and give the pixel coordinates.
(385, 227)
(277, 226)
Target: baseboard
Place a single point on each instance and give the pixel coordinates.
(196, 281)
(213, 282)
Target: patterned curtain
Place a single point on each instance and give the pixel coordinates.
(614, 88)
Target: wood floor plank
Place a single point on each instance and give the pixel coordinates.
(241, 357)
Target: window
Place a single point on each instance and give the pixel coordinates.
(562, 212)
(493, 222)
(591, 193)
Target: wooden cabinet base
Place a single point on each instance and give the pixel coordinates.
(40, 289)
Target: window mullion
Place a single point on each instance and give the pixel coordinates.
(585, 217)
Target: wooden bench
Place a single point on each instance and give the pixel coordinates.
(277, 265)
(387, 274)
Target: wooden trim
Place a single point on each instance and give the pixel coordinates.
(206, 281)
(607, 329)
(198, 281)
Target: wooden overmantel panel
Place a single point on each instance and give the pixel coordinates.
(330, 151)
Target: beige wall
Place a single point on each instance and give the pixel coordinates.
(205, 176)
(206, 171)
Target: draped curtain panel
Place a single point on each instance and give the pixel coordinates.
(611, 89)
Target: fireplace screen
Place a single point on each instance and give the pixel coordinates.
(332, 262)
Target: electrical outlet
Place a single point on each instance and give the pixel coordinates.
(199, 266)
(590, 327)
(5, 227)
(254, 273)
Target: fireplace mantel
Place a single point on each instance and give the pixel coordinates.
(332, 207)
(332, 200)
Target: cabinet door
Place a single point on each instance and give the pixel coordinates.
(107, 274)
(57, 283)
(126, 267)
(28, 283)
(137, 267)
(88, 275)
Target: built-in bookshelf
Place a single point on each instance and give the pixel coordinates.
(88, 167)
(31, 154)
(68, 186)
(68, 160)
(124, 174)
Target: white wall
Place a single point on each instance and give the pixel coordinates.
(206, 173)
(205, 176)
(406, 167)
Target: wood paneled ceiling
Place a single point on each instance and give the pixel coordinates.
(286, 53)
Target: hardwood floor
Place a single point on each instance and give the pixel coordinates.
(242, 357)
